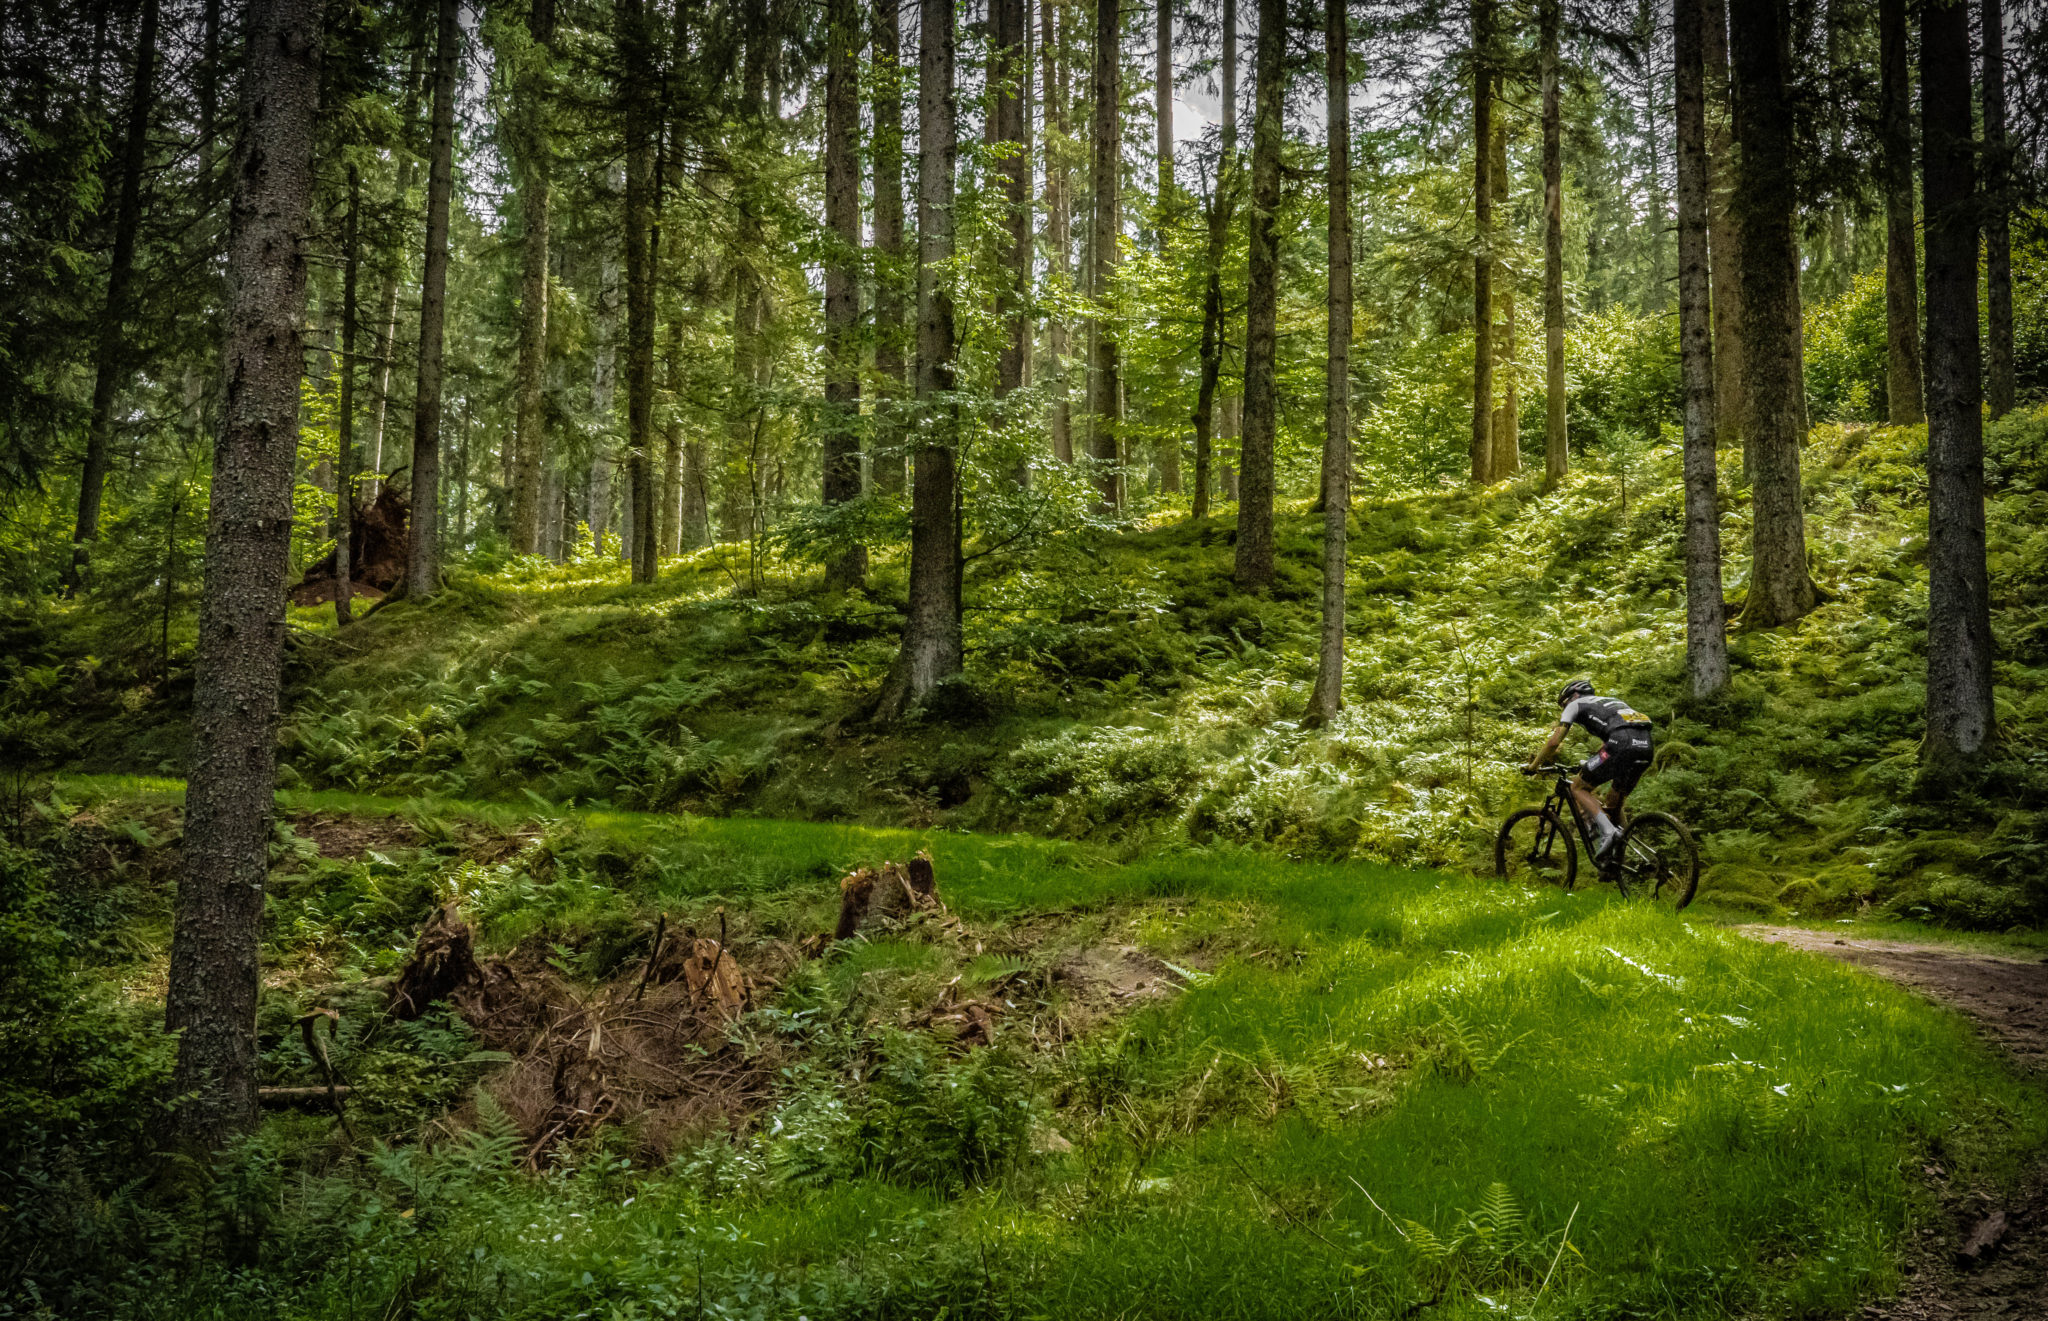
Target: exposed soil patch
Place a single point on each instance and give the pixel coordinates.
(354, 836)
(1991, 1257)
(1103, 981)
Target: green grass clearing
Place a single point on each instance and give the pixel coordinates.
(1729, 1128)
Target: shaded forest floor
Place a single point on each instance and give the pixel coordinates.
(1189, 1084)
(1120, 691)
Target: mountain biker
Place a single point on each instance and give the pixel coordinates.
(1624, 755)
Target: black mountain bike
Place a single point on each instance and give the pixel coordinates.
(1655, 858)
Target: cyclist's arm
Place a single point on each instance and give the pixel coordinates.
(1545, 753)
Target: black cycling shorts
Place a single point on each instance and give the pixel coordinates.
(1621, 760)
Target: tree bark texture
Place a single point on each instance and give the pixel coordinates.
(345, 405)
(1326, 699)
(530, 152)
(111, 361)
(671, 512)
(229, 800)
(931, 629)
(1507, 417)
(387, 313)
(1254, 559)
(1998, 365)
(640, 119)
(1724, 244)
(1960, 722)
(1053, 36)
(1482, 242)
(1010, 72)
(1105, 393)
(1706, 626)
(885, 459)
(1162, 103)
(841, 459)
(1556, 447)
(1230, 406)
(423, 542)
(1905, 404)
(1162, 123)
(1766, 204)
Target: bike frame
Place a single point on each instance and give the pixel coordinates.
(1561, 793)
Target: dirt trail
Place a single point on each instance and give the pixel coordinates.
(2008, 998)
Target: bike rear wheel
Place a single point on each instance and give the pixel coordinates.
(1658, 860)
(1535, 848)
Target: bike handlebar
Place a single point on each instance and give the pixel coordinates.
(1552, 769)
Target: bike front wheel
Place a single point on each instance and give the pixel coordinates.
(1535, 848)
(1658, 860)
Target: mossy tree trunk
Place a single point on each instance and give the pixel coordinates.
(1766, 204)
(1960, 725)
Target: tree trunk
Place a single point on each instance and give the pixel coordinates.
(1230, 407)
(345, 406)
(1009, 73)
(671, 502)
(1998, 364)
(885, 459)
(640, 92)
(229, 800)
(1162, 115)
(394, 276)
(1905, 405)
(841, 458)
(1556, 450)
(931, 629)
(1723, 235)
(530, 153)
(1218, 208)
(1054, 21)
(111, 365)
(423, 543)
(1482, 242)
(1706, 626)
(1254, 567)
(1105, 395)
(604, 386)
(1507, 418)
(1960, 718)
(1326, 699)
(1766, 205)
(1162, 107)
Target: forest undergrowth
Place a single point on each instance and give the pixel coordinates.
(1120, 690)
(1220, 1085)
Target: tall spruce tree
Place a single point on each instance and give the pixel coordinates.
(230, 790)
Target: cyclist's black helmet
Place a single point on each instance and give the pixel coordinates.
(1576, 688)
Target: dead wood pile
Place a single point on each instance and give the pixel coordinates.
(652, 1049)
(376, 553)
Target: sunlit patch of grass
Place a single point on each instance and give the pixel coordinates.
(1386, 1087)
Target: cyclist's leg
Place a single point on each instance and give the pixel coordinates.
(1597, 770)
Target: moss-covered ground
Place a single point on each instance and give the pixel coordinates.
(1121, 691)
